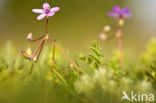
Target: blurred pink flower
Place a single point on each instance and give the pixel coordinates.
(46, 11)
(119, 13)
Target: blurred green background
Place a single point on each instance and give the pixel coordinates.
(78, 23)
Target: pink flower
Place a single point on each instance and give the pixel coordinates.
(46, 11)
(119, 13)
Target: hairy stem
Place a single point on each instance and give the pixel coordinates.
(120, 48)
(52, 41)
(42, 42)
(47, 26)
(36, 39)
(38, 48)
(53, 55)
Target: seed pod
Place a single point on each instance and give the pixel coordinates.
(47, 36)
(34, 59)
(25, 55)
(29, 37)
(121, 22)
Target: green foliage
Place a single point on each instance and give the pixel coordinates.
(40, 82)
(94, 59)
(95, 47)
(102, 88)
(149, 62)
(113, 64)
(22, 81)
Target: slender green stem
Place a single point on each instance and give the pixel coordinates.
(31, 69)
(53, 55)
(59, 76)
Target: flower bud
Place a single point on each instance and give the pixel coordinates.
(103, 36)
(25, 54)
(107, 28)
(120, 22)
(29, 37)
(47, 36)
(35, 59)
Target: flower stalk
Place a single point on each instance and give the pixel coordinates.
(40, 45)
(47, 25)
(118, 35)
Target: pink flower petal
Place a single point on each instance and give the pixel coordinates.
(127, 15)
(116, 9)
(51, 14)
(125, 10)
(46, 6)
(113, 15)
(37, 11)
(40, 17)
(55, 9)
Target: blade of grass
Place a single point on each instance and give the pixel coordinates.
(52, 69)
